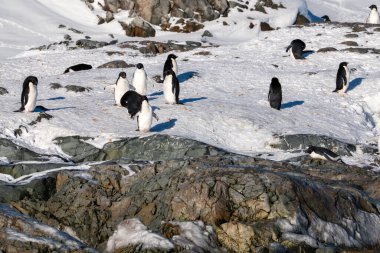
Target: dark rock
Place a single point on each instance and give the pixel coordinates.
(157, 79)
(41, 115)
(301, 20)
(109, 16)
(359, 50)
(101, 20)
(265, 27)
(55, 86)
(350, 43)
(75, 31)
(14, 152)
(67, 37)
(207, 33)
(138, 28)
(61, 26)
(17, 170)
(3, 91)
(376, 29)
(225, 23)
(303, 141)
(351, 35)
(203, 53)
(358, 28)
(77, 88)
(192, 26)
(234, 4)
(90, 44)
(87, 37)
(327, 49)
(251, 25)
(116, 64)
(109, 53)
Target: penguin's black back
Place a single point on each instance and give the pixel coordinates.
(25, 90)
(132, 101)
(168, 64)
(341, 77)
(78, 67)
(275, 94)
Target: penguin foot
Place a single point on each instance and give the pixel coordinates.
(137, 130)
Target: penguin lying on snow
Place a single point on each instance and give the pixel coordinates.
(170, 63)
(122, 86)
(29, 94)
(171, 87)
(373, 17)
(297, 47)
(275, 94)
(78, 67)
(342, 78)
(139, 80)
(323, 154)
(138, 106)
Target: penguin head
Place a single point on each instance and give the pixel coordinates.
(140, 66)
(31, 79)
(326, 18)
(343, 64)
(172, 56)
(373, 7)
(275, 80)
(123, 75)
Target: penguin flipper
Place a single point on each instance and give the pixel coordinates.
(289, 47)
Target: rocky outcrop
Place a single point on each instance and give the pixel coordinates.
(116, 64)
(138, 28)
(14, 152)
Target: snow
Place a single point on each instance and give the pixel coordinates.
(225, 103)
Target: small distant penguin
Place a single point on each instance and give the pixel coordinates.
(373, 17)
(297, 47)
(122, 86)
(275, 94)
(171, 87)
(138, 106)
(78, 67)
(342, 78)
(29, 94)
(326, 19)
(171, 63)
(323, 154)
(139, 80)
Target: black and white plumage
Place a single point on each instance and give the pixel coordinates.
(297, 47)
(342, 78)
(29, 94)
(138, 106)
(275, 94)
(170, 63)
(373, 17)
(78, 67)
(326, 19)
(171, 87)
(323, 154)
(122, 86)
(139, 79)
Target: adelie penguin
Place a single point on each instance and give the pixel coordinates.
(139, 80)
(275, 94)
(373, 17)
(342, 78)
(78, 67)
(170, 63)
(29, 94)
(171, 87)
(122, 86)
(323, 154)
(138, 106)
(297, 46)
(326, 19)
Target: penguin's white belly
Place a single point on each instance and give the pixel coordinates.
(317, 156)
(373, 17)
(32, 99)
(168, 93)
(120, 89)
(175, 66)
(145, 119)
(139, 82)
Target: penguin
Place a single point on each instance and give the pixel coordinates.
(29, 94)
(323, 154)
(171, 87)
(326, 19)
(78, 67)
(275, 94)
(297, 47)
(342, 78)
(139, 80)
(138, 106)
(171, 63)
(122, 86)
(373, 17)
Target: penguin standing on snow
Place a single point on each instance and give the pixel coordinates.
(171, 63)
(373, 17)
(122, 86)
(323, 154)
(29, 94)
(275, 94)
(342, 78)
(297, 47)
(171, 87)
(139, 80)
(138, 106)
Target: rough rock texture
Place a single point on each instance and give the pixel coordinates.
(77, 88)
(90, 44)
(14, 152)
(138, 28)
(301, 20)
(116, 64)
(327, 49)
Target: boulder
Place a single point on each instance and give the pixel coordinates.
(15, 152)
(3, 91)
(138, 28)
(90, 44)
(116, 64)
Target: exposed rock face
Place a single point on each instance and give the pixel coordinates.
(14, 152)
(138, 28)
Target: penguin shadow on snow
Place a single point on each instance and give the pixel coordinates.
(158, 93)
(291, 104)
(190, 100)
(164, 126)
(40, 108)
(52, 99)
(186, 76)
(306, 53)
(355, 83)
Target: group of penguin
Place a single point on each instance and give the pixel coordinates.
(137, 102)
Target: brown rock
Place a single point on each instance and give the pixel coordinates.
(265, 27)
(301, 20)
